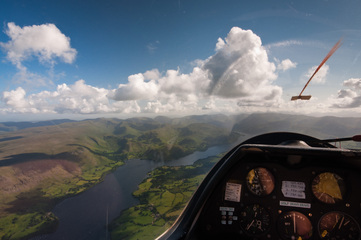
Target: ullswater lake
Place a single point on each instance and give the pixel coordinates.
(87, 215)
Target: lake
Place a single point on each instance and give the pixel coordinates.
(86, 215)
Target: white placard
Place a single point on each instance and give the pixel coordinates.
(233, 192)
(293, 189)
(295, 204)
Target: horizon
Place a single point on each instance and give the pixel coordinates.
(177, 58)
(170, 117)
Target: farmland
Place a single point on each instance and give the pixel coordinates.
(40, 166)
(162, 198)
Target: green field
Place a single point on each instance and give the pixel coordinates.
(162, 198)
(41, 166)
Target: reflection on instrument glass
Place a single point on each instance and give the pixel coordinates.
(255, 220)
(328, 187)
(260, 181)
(338, 225)
(294, 225)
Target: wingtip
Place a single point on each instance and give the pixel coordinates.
(304, 97)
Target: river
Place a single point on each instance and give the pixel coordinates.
(86, 215)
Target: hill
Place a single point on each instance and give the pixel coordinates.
(39, 166)
(320, 127)
(14, 126)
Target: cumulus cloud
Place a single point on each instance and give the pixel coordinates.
(354, 83)
(238, 75)
(46, 42)
(321, 76)
(348, 98)
(77, 98)
(285, 65)
(16, 99)
(239, 69)
(137, 88)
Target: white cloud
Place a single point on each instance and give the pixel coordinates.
(346, 93)
(348, 98)
(353, 83)
(152, 74)
(220, 44)
(285, 43)
(46, 42)
(321, 75)
(15, 99)
(77, 98)
(237, 76)
(80, 98)
(239, 70)
(240, 67)
(184, 86)
(286, 64)
(136, 89)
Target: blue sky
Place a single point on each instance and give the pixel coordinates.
(128, 58)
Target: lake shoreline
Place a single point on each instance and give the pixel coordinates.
(114, 210)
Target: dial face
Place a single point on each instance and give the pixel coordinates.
(328, 187)
(295, 226)
(260, 181)
(255, 220)
(338, 225)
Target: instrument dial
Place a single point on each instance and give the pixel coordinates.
(255, 220)
(260, 181)
(328, 187)
(295, 226)
(338, 225)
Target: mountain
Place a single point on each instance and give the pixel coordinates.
(320, 127)
(41, 165)
(14, 126)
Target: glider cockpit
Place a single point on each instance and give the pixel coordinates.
(277, 186)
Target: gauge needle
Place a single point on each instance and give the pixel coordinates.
(335, 222)
(294, 222)
(256, 174)
(339, 226)
(249, 225)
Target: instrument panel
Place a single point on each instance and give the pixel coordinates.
(283, 196)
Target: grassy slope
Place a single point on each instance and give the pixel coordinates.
(151, 139)
(40, 166)
(56, 163)
(162, 198)
(66, 159)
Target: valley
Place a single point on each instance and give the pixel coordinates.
(42, 164)
(162, 196)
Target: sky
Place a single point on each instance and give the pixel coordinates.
(87, 59)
